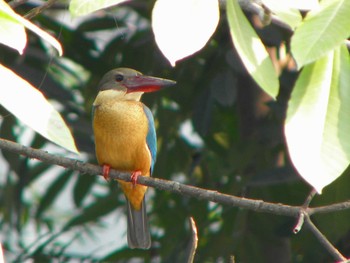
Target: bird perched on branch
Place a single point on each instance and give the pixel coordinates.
(125, 140)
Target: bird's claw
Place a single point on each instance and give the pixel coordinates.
(134, 176)
(105, 171)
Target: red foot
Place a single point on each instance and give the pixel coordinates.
(105, 171)
(134, 176)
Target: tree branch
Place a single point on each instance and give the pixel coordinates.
(186, 190)
(37, 10)
(161, 184)
(323, 240)
(172, 186)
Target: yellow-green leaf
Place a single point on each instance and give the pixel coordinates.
(6, 11)
(84, 7)
(30, 106)
(322, 30)
(183, 27)
(318, 120)
(251, 50)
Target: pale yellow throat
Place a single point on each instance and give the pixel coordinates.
(113, 95)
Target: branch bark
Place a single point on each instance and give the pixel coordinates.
(186, 190)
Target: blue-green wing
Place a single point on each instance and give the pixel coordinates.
(151, 138)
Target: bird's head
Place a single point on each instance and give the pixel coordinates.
(129, 84)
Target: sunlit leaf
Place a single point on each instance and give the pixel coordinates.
(84, 7)
(183, 27)
(6, 11)
(12, 33)
(251, 50)
(322, 30)
(30, 106)
(292, 4)
(318, 120)
(289, 15)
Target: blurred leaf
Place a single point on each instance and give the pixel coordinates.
(224, 88)
(183, 27)
(332, 22)
(82, 187)
(12, 32)
(318, 120)
(286, 13)
(6, 9)
(295, 4)
(251, 50)
(91, 213)
(84, 7)
(30, 106)
(53, 192)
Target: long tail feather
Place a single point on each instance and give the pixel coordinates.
(138, 230)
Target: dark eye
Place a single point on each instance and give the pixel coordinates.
(119, 77)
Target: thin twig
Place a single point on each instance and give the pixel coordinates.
(329, 208)
(37, 10)
(323, 240)
(192, 245)
(16, 3)
(301, 218)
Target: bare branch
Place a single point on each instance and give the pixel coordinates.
(329, 208)
(186, 190)
(175, 187)
(323, 240)
(36, 11)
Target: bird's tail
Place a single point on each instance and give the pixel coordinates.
(138, 230)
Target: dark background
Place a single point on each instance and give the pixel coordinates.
(242, 152)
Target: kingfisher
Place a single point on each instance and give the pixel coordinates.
(125, 140)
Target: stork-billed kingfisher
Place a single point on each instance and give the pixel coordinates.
(125, 140)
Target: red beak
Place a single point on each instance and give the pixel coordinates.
(146, 84)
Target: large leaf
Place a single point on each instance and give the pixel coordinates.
(251, 50)
(12, 32)
(322, 30)
(30, 106)
(295, 4)
(286, 13)
(183, 27)
(84, 7)
(318, 120)
(13, 21)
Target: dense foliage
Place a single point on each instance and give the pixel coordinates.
(216, 129)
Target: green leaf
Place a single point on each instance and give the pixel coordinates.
(322, 30)
(52, 192)
(295, 4)
(92, 213)
(180, 38)
(289, 15)
(318, 120)
(251, 50)
(30, 106)
(12, 32)
(84, 7)
(82, 187)
(6, 11)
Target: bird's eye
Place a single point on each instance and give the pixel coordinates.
(119, 77)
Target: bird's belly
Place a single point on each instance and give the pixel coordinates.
(120, 136)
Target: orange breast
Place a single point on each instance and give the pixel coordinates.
(120, 129)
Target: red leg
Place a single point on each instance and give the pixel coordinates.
(105, 171)
(134, 176)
